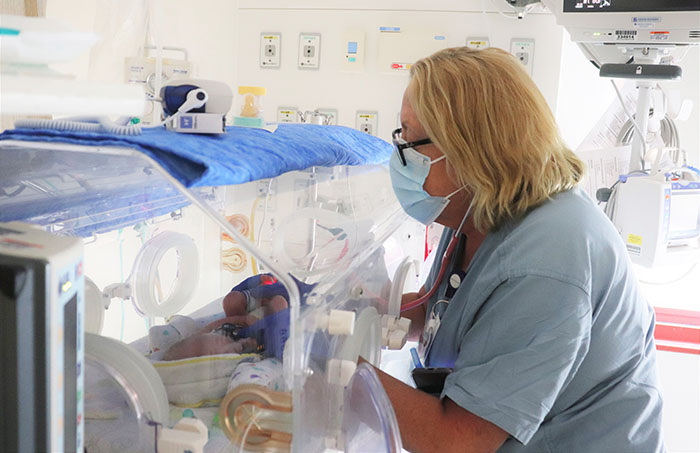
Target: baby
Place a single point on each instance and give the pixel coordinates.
(183, 337)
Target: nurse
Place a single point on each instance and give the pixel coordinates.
(537, 310)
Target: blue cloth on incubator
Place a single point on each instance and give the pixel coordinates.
(241, 155)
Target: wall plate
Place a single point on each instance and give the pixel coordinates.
(524, 51)
(353, 51)
(287, 114)
(309, 50)
(270, 50)
(367, 121)
(478, 43)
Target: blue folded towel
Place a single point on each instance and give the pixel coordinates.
(241, 155)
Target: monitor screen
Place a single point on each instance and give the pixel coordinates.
(629, 6)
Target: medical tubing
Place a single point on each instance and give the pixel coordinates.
(145, 274)
(97, 124)
(443, 266)
(642, 138)
(252, 422)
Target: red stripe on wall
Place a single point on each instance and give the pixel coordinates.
(675, 316)
(677, 330)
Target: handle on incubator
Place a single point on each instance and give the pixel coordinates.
(398, 285)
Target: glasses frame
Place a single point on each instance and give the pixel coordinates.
(400, 144)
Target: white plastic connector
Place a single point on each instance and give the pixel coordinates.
(397, 339)
(394, 331)
(337, 322)
(385, 337)
(340, 371)
(404, 324)
(118, 290)
(188, 435)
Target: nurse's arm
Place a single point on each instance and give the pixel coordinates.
(416, 315)
(428, 424)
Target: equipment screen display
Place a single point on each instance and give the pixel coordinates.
(629, 6)
(70, 374)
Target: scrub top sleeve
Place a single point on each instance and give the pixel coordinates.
(527, 341)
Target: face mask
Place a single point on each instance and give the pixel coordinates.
(408, 186)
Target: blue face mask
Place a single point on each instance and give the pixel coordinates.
(408, 181)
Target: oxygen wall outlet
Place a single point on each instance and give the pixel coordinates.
(270, 50)
(524, 51)
(287, 114)
(478, 43)
(367, 121)
(309, 50)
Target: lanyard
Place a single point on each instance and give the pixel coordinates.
(432, 324)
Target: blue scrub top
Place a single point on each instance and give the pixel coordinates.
(550, 337)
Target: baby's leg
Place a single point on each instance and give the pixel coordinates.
(203, 344)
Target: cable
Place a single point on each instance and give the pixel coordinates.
(121, 279)
(251, 423)
(89, 124)
(253, 262)
(262, 222)
(642, 138)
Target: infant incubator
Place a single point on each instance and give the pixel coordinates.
(175, 361)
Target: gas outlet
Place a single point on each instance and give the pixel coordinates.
(309, 50)
(270, 50)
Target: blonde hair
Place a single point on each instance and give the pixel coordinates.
(496, 130)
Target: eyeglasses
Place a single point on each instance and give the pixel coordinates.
(400, 144)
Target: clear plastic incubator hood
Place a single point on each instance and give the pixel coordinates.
(173, 359)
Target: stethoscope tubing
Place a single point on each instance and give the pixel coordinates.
(443, 266)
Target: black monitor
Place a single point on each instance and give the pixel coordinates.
(629, 6)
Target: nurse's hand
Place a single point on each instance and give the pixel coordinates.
(265, 290)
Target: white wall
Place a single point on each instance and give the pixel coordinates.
(329, 87)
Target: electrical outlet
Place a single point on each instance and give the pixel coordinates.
(309, 50)
(367, 121)
(478, 43)
(524, 51)
(287, 114)
(332, 112)
(270, 50)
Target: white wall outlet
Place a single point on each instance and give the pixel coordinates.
(524, 51)
(332, 112)
(353, 51)
(287, 114)
(478, 43)
(309, 50)
(270, 50)
(367, 121)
